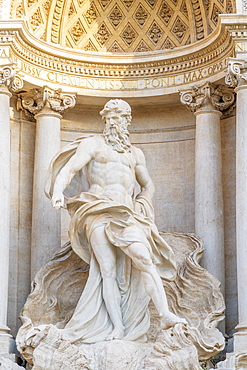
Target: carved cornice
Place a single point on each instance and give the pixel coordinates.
(9, 78)
(182, 65)
(237, 73)
(208, 95)
(47, 99)
(236, 24)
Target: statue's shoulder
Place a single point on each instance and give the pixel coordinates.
(92, 140)
(137, 153)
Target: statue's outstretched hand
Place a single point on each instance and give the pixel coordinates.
(58, 201)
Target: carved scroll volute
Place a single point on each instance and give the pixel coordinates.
(193, 98)
(9, 78)
(237, 73)
(33, 101)
(58, 101)
(217, 96)
(46, 98)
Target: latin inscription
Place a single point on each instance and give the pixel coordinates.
(78, 81)
(241, 47)
(4, 52)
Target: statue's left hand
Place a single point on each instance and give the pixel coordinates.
(58, 201)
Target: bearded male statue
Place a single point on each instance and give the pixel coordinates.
(112, 229)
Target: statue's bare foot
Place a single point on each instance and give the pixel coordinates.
(170, 320)
(117, 333)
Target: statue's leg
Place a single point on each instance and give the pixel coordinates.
(105, 254)
(141, 258)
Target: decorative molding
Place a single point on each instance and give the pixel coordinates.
(217, 96)
(43, 64)
(37, 99)
(237, 73)
(194, 18)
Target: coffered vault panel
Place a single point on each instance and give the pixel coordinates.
(122, 25)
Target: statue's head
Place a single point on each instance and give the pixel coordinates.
(118, 106)
(117, 116)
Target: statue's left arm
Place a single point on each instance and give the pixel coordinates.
(142, 176)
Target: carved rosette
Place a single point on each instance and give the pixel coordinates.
(9, 78)
(237, 73)
(38, 99)
(217, 96)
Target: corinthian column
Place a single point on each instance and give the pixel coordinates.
(237, 77)
(8, 82)
(207, 102)
(47, 106)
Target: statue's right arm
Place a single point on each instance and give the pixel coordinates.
(84, 153)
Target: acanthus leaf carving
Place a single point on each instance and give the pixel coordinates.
(39, 98)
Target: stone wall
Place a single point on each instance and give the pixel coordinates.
(167, 137)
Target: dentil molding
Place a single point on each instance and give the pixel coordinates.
(119, 74)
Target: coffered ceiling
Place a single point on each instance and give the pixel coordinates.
(121, 25)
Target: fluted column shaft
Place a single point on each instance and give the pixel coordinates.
(46, 105)
(209, 222)
(206, 102)
(5, 209)
(46, 222)
(237, 77)
(7, 83)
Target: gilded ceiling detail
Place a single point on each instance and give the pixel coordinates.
(121, 25)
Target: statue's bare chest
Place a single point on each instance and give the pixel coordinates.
(108, 157)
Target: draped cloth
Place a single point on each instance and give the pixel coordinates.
(90, 322)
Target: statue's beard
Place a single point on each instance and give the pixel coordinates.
(117, 138)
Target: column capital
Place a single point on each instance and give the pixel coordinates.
(237, 73)
(46, 100)
(208, 97)
(9, 78)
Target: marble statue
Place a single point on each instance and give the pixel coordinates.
(112, 229)
(119, 293)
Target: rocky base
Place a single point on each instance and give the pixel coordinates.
(174, 349)
(234, 361)
(8, 364)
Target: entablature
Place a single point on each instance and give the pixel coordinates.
(124, 74)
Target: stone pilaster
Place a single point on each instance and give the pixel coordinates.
(207, 102)
(46, 106)
(237, 77)
(8, 82)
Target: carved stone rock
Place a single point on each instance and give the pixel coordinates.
(8, 364)
(57, 288)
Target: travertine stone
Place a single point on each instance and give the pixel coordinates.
(237, 77)
(207, 101)
(112, 230)
(151, 23)
(7, 76)
(52, 302)
(46, 105)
